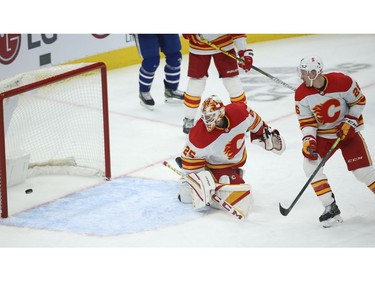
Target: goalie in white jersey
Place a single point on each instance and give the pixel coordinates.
(216, 147)
(330, 106)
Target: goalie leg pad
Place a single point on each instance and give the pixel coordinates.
(184, 194)
(202, 184)
(228, 207)
(237, 195)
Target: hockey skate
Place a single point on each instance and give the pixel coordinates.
(173, 96)
(188, 124)
(331, 215)
(146, 100)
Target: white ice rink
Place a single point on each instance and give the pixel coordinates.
(138, 208)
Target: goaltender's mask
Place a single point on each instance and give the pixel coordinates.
(212, 111)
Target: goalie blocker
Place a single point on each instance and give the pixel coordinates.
(201, 190)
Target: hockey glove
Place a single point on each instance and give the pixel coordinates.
(309, 148)
(261, 137)
(247, 59)
(269, 139)
(346, 129)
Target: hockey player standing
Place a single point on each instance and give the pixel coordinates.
(149, 47)
(329, 106)
(200, 55)
(215, 152)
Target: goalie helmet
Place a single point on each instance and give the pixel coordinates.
(212, 110)
(309, 64)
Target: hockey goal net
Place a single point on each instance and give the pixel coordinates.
(53, 121)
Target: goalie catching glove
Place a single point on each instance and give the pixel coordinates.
(269, 139)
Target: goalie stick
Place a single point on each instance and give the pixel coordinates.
(277, 80)
(221, 202)
(285, 211)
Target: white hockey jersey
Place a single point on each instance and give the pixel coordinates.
(320, 112)
(223, 147)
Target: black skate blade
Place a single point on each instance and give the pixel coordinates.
(149, 107)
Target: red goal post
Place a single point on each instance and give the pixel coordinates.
(54, 120)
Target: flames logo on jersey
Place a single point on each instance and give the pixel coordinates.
(234, 146)
(322, 114)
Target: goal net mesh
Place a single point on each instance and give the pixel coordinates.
(58, 125)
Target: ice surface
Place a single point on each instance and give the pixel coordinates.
(138, 209)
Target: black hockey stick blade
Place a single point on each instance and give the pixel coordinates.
(284, 211)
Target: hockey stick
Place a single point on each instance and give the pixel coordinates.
(284, 211)
(277, 80)
(221, 202)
